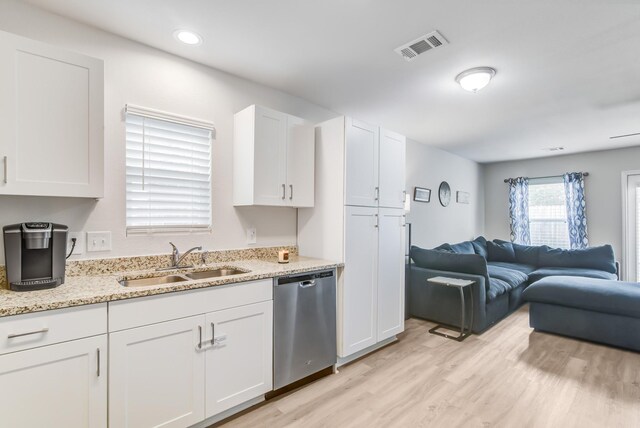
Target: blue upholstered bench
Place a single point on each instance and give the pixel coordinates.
(598, 310)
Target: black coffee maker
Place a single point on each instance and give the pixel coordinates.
(35, 255)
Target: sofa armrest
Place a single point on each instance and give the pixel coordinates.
(442, 304)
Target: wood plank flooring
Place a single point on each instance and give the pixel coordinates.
(510, 376)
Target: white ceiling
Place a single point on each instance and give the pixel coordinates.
(568, 71)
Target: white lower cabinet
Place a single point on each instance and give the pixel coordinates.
(239, 360)
(371, 294)
(180, 372)
(391, 268)
(358, 298)
(59, 386)
(157, 375)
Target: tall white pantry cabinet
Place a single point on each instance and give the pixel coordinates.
(359, 219)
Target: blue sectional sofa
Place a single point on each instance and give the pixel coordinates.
(593, 309)
(501, 271)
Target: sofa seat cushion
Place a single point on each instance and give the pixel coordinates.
(511, 276)
(544, 272)
(524, 268)
(497, 288)
(600, 295)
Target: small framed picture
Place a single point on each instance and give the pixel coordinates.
(421, 194)
(462, 197)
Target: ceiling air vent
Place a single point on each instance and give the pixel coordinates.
(411, 50)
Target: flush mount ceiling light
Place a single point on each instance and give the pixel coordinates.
(474, 79)
(187, 37)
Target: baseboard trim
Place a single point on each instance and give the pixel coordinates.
(234, 411)
(357, 355)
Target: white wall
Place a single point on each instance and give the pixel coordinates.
(603, 191)
(433, 224)
(140, 75)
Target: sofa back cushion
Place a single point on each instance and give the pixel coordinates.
(601, 258)
(527, 254)
(500, 251)
(480, 246)
(465, 247)
(473, 264)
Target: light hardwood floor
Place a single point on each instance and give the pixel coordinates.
(510, 376)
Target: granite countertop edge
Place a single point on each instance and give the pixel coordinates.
(87, 290)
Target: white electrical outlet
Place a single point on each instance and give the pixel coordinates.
(98, 241)
(251, 235)
(80, 242)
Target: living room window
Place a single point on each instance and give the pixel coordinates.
(548, 213)
(168, 167)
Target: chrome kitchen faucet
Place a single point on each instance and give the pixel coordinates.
(176, 258)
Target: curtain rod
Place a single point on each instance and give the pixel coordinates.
(584, 174)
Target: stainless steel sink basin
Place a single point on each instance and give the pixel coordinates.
(214, 273)
(169, 279)
(159, 280)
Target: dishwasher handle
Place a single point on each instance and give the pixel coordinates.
(307, 284)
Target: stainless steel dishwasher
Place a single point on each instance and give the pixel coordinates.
(304, 325)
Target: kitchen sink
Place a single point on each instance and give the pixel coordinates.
(169, 279)
(159, 280)
(215, 273)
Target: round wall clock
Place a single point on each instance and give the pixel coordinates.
(444, 193)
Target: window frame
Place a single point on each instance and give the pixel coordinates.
(181, 120)
(628, 251)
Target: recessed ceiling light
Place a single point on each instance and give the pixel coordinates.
(474, 79)
(187, 37)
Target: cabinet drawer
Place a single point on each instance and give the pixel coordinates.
(27, 331)
(137, 312)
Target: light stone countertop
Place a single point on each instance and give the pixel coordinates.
(90, 289)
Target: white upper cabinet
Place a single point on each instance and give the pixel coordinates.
(273, 159)
(300, 162)
(392, 169)
(375, 166)
(51, 120)
(361, 164)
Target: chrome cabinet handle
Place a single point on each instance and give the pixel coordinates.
(307, 284)
(98, 356)
(404, 195)
(6, 174)
(377, 190)
(377, 220)
(284, 192)
(291, 189)
(11, 336)
(213, 334)
(200, 337)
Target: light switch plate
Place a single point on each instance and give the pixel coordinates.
(251, 235)
(98, 241)
(80, 242)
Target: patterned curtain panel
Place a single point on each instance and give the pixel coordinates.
(576, 209)
(519, 210)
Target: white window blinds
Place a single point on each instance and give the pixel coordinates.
(548, 213)
(168, 171)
